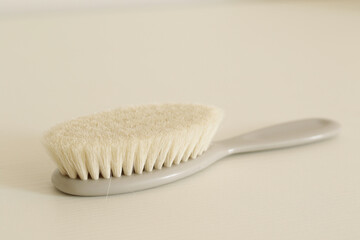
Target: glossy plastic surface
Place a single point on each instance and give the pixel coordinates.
(279, 136)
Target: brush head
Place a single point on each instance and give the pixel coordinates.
(132, 139)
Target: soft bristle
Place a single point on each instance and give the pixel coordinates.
(132, 139)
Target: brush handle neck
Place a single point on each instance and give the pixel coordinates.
(280, 136)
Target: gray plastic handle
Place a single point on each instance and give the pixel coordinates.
(279, 136)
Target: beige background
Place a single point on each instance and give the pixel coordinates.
(263, 62)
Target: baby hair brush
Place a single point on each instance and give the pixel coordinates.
(140, 147)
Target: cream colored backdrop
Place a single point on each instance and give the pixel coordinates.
(263, 62)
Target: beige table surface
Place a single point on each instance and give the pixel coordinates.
(263, 62)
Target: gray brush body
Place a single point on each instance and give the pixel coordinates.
(279, 136)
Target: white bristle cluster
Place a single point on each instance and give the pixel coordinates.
(132, 139)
